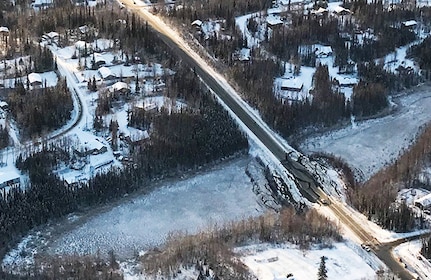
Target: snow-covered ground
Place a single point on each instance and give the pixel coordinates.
(369, 145)
(270, 262)
(409, 254)
(342, 262)
(220, 195)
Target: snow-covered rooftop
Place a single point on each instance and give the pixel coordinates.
(136, 134)
(288, 2)
(410, 23)
(4, 29)
(89, 141)
(52, 34)
(197, 23)
(34, 78)
(81, 45)
(425, 201)
(119, 86)
(244, 54)
(274, 11)
(319, 11)
(339, 10)
(273, 20)
(41, 2)
(8, 174)
(105, 72)
(98, 57)
(346, 81)
(84, 29)
(322, 51)
(291, 84)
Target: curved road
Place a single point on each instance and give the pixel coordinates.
(308, 187)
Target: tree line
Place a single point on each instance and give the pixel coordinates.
(422, 53)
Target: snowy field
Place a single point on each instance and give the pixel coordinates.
(221, 195)
(370, 145)
(272, 263)
(269, 262)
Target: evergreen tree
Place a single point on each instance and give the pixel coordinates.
(322, 272)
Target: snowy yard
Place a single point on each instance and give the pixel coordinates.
(272, 263)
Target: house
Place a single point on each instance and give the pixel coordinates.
(273, 21)
(136, 136)
(106, 73)
(346, 81)
(9, 178)
(41, 4)
(91, 147)
(424, 202)
(323, 51)
(402, 70)
(84, 29)
(3, 105)
(120, 87)
(97, 60)
(51, 37)
(320, 12)
(4, 31)
(410, 23)
(147, 107)
(84, 48)
(197, 24)
(73, 179)
(34, 79)
(292, 84)
(342, 11)
(243, 54)
(274, 11)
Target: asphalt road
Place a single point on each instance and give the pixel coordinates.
(308, 187)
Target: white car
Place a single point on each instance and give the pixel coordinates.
(366, 247)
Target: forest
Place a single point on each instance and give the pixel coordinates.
(40, 110)
(422, 53)
(426, 247)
